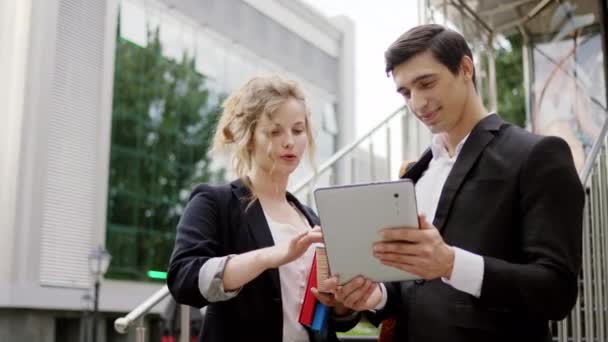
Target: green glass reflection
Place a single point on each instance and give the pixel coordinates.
(163, 115)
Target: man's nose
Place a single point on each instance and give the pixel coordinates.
(418, 102)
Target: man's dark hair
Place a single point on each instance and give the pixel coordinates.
(447, 46)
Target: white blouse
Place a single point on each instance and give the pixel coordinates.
(293, 277)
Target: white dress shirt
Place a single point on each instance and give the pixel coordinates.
(467, 273)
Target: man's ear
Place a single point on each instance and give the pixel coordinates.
(467, 67)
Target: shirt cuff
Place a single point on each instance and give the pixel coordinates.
(467, 274)
(382, 303)
(211, 280)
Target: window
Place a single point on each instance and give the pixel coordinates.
(162, 121)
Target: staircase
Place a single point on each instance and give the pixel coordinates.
(588, 321)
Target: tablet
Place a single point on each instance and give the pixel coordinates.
(351, 218)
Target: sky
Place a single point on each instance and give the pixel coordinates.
(377, 24)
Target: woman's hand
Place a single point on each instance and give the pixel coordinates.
(285, 253)
(242, 268)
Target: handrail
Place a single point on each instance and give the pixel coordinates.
(346, 149)
(121, 324)
(595, 150)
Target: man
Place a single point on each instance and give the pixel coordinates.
(499, 244)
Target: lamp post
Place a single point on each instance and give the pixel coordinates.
(99, 260)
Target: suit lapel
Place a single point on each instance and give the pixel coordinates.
(477, 141)
(415, 171)
(257, 225)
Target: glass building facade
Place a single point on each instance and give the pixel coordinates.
(170, 76)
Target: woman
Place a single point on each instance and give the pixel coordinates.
(244, 249)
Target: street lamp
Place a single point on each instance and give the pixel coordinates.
(99, 260)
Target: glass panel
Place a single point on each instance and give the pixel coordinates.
(162, 122)
(569, 87)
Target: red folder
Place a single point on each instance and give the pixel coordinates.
(307, 311)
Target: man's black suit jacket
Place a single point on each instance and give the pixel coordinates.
(515, 199)
(217, 222)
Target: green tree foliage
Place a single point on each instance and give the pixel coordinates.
(510, 82)
(162, 123)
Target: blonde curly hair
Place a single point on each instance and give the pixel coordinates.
(242, 112)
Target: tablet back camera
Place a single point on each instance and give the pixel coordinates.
(396, 201)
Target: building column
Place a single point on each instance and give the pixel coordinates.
(14, 37)
(492, 91)
(26, 325)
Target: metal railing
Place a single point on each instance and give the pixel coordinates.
(137, 315)
(363, 161)
(588, 321)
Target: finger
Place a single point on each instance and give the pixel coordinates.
(404, 234)
(354, 293)
(315, 237)
(358, 295)
(410, 260)
(316, 229)
(326, 299)
(352, 285)
(348, 288)
(312, 233)
(300, 236)
(397, 247)
(423, 223)
(309, 238)
(407, 268)
(328, 285)
(363, 300)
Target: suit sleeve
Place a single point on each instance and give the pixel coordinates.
(395, 292)
(196, 242)
(544, 285)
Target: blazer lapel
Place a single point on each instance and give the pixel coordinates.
(312, 221)
(478, 139)
(415, 171)
(257, 225)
